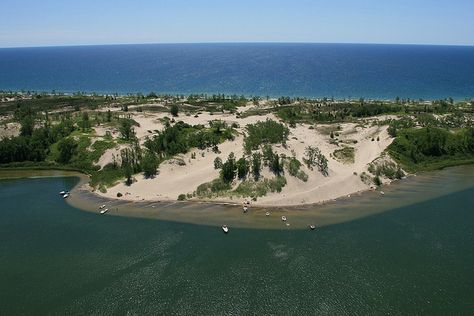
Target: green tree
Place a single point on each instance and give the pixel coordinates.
(217, 163)
(228, 169)
(174, 110)
(85, 123)
(275, 165)
(27, 125)
(67, 149)
(242, 168)
(294, 166)
(256, 165)
(126, 129)
(314, 158)
(149, 164)
(127, 170)
(109, 116)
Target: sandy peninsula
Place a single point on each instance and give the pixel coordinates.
(184, 173)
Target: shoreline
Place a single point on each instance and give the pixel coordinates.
(414, 189)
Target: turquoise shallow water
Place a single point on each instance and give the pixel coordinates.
(55, 259)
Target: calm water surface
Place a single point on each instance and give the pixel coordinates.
(314, 70)
(55, 259)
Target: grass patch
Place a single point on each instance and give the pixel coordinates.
(255, 189)
(345, 155)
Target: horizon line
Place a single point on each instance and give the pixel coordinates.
(237, 42)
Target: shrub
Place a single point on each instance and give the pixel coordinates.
(267, 132)
(217, 163)
(174, 110)
(294, 166)
(314, 158)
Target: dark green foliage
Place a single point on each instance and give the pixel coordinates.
(229, 169)
(267, 154)
(127, 170)
(420, 148)
(174, 110)
(312, 111)
(85, 123)
(276, 165)
(402, 123)
(217, 163)
(267, 132)
(377, 181)
(126, 129)
(67, 149)
(243, 168)
(256, 165)
(294, 166)
(182, 197)
(149, 164)
(48, 103)
(181, 137)
(109, 116)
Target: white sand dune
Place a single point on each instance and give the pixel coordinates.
(174, 179)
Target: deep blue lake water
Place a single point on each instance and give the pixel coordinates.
(313, 70)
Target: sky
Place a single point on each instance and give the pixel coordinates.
(26, 23)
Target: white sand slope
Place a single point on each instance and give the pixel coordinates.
(174, 179)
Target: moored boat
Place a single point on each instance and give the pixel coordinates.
(225, 229)
(104, 211)
(312, 227)
(283, 218)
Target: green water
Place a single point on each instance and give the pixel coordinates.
(55, 259)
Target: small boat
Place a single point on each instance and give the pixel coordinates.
(62, 192)
(102, 206)
(287, 224)
(225, 229)
(66, 195)
(312, 227)
(104, 211)
(245, 209)
(382, 193)
(267, 214)
(283, 218)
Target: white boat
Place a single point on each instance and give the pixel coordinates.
(312, 227)
(225, 229)
(287, 224)
(267, 214)
(65, 196)
(283, 218)
(382, 193)
(104, 211)
(102, 206)
(245, 208)
(62, 192)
